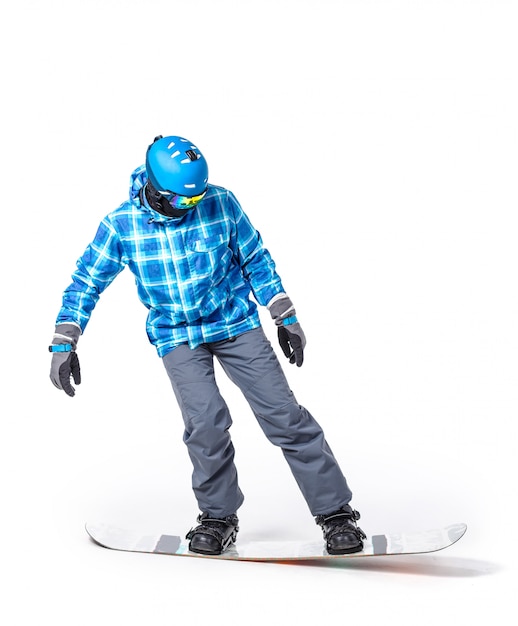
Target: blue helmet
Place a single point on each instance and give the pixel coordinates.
(175, 165)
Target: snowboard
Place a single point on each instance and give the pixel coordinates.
(419, 542)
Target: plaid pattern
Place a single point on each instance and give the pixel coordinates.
(195, 274)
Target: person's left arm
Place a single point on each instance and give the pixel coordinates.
(259, 270)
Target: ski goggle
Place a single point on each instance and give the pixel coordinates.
(182, 202)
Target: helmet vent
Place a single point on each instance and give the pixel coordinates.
(192, 155)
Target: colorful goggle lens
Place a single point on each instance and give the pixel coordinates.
(182, 202)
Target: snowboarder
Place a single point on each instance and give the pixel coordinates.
(197, 259)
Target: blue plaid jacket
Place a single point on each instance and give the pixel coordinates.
(194, 274)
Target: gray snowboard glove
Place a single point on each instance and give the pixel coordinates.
(65, 364)
(289, 331)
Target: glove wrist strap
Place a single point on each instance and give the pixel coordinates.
(61, 347)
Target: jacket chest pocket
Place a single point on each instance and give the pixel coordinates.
(206, 254)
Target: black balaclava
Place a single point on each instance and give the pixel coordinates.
(160, 204)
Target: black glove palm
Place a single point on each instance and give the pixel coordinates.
(292, 344)
(290, 334)
(65, 365)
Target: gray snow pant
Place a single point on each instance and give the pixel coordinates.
(250, 362)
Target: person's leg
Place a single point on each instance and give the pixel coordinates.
(252, 365)
(207, 421)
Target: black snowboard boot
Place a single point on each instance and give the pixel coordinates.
(213, 535)
(341, 533)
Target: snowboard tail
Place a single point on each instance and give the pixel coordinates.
(420, 542)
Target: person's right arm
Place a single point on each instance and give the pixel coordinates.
(100, 263)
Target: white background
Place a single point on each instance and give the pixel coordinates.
(374, 145)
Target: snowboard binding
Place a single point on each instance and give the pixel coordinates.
(341, 533)
(213, 535)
